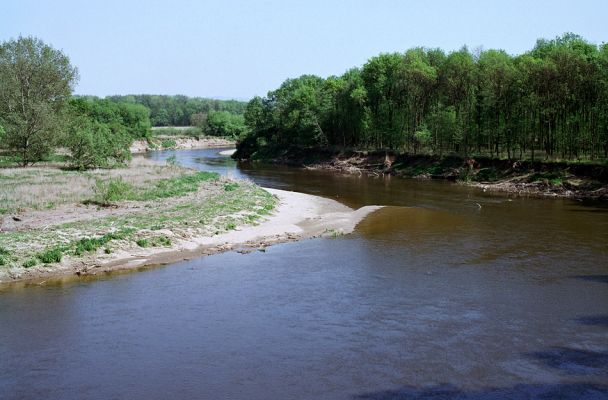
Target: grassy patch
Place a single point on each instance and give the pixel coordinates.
(29, 263)
(87, 245)
(230, 186)
(174, 187)
(168, 144)
(50, 255)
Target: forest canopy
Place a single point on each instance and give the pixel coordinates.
(550, 101)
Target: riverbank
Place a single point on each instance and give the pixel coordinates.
(161, 142)
(522, 178)
(154, 214)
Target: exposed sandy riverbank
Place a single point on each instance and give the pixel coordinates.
(142, 146)
(298, 216)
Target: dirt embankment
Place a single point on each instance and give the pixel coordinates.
(169, 142)
(527, 178)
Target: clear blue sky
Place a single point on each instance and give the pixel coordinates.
(238, 49)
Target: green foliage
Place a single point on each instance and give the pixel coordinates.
(2, 260)
(4, 251)
(50, 256)
(174, 187)
(86, 245)
(111, 190)
(29, 263)
(230, 186)
(35, 83)
(93, 144)
(168, 144)
(224, 123)
(551, 100)
(142, 242)
(180, 110)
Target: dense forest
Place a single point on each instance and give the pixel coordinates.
(180, 110)
(550, 102)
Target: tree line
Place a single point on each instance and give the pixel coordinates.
(180, 110)
(551, 101)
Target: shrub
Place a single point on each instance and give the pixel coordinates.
(50, 256)
(29, 263)
(114, 189)
(2, 260)
(142, 242)
(231, 186)
(97, 145)
(168, 144)
(4, 251)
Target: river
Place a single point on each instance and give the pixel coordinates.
(448, 292)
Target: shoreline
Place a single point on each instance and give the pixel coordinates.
(180, 143)
(503, 177)
(298, 216)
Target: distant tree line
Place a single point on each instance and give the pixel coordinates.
(180, 110)
(551, 101)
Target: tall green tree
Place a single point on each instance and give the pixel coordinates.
(36, 81)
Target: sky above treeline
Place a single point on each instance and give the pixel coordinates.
(239, 49)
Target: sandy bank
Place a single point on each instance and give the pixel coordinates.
(142, 146)
(298, 216)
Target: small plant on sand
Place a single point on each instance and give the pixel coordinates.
(4, 251)
(143, 242)
(29, 263)
(2, 260)
(50, 256)
(229, 187)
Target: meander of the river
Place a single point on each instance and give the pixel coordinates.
(447, 293)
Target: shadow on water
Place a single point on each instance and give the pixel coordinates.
(594, 320)
(592, 278)
(587, 391)
(573, 361)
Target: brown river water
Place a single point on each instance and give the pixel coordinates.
(447, 293)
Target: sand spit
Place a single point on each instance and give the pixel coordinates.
(298, 216)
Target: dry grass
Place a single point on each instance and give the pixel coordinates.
(41, 188)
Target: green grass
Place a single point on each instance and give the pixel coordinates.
(50, 255)
(168, 144)
(29, 263)
(173, 187)
(90, 244)
(231, 186)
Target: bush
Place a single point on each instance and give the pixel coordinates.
(142, 242)
(2, 260)
(168, 144)
(97, 145)
(229, 187)
(29, 263)
(50, 256)
(114, 189)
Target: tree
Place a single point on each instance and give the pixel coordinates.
(93, 144)
(35, 83)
